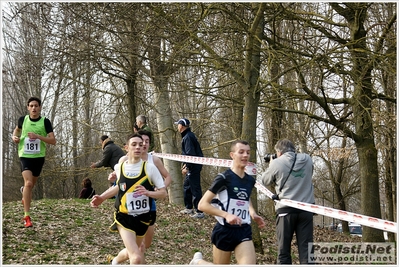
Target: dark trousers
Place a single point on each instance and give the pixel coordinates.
(300, 223)
(192, 188)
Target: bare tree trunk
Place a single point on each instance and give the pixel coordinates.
(362, 107)
(252, 96)
(160, 73)
(168, 145)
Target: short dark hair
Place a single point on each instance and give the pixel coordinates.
(232, 148)
(34, 98)
(145, 132)
(133, 135)
(103, 137)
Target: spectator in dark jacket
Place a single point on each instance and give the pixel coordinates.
(111, 154)
(192, 172)
(87, 191)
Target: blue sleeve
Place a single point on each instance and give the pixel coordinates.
(191, 147)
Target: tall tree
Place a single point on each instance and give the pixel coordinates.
(164, 58)
(246, 78)
(355, 59)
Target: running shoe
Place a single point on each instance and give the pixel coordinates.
(27, 222)
(109, 259)
(197, 257)
(187, 211)
(198, 215)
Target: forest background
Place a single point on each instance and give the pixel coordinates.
(320, 74)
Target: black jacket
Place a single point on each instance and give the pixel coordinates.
(111, 155)
(191, 147)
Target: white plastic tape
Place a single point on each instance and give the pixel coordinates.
(250, 169)
(330, 212)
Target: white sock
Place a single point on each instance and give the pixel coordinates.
(114, 262)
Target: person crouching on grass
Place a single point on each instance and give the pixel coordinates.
(135, 192)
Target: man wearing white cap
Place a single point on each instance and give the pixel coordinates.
(192, 172)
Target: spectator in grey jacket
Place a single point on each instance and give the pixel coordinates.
(291, 174)
(111, 154)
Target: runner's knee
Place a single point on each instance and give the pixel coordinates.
(28, 184)
(135, 258)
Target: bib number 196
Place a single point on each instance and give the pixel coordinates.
(137, 204)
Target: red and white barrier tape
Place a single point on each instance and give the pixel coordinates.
(334, 213)
(250, 169)
(330, 212)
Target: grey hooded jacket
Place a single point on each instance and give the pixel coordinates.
(298, 186)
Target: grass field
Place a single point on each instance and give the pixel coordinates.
(70, 232)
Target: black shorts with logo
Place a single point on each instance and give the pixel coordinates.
(227, 238)
(138, 224)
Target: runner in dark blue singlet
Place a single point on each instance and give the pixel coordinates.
(228, 199)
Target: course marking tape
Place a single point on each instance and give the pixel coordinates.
(335, 213)
(330, 212)
(250, 168)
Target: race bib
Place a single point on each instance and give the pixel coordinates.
(240, 208)
(137, 204)
(31, 146)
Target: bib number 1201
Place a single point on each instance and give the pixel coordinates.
(240, 208)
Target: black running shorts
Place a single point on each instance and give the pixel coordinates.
(153, 216)
(34, 165)
(228, 238)
(138, 224)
